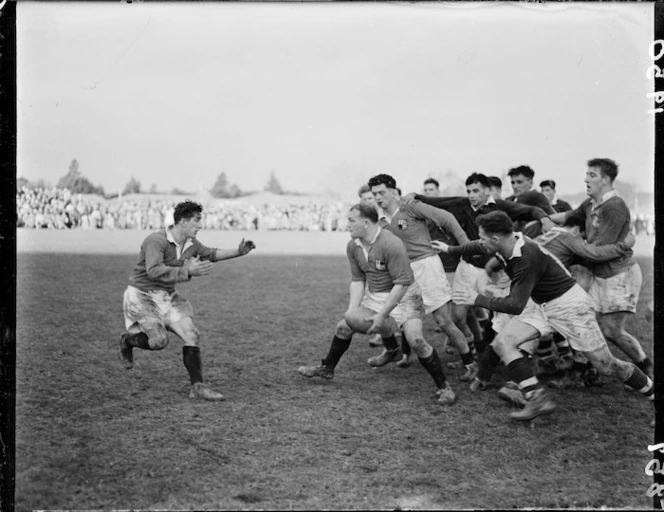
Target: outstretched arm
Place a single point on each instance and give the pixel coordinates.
(245, 247)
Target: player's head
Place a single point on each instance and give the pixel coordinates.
(548, 188)
(495, 227)
(496, 185)
(521, 179)
(575, 224)
(362, 217)
(365, 194)
(600, 176)
(431, 187)
(383, 187)
(187, 216)
(477, 189)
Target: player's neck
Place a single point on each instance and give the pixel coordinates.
(370, 235)
(392, 208)
(507, 246)
(178, 234)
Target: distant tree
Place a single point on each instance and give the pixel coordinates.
(22, 182)
(234, 191)
(153, 188)
(77, 183)
(179, 192)
(220, 187)
(133, 186)
(273, 184)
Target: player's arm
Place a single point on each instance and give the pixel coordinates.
(358, 278)
(472, 248)
(356, 294)
(523, 281)
(524, 212)
(444, 219)
(157, 270)
(612, 224)
(446, 203)
(245, 247)
(595, 253)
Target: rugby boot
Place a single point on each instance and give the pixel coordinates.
(403, 362)
(126, 352)
(200, 390)
(471, 372)
(445, 395)
(564, 363)
(538, 405)
(592, 378)
(375, 340)
(478, 385)
(386, 356)
(322, 371)
(511, 393)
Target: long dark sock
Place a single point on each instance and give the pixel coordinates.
(433, 365)
(337, 349)
(522, 373)
(645, 366)
(390, 343)
(467, 358)
(488, 363)
(139, 339)
(191, 357)
(405, 346)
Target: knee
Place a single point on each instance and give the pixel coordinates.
(419, 345)
(343, 331)
(157, 337)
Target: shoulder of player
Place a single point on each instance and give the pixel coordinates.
(156, 238)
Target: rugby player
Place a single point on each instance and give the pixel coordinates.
(557, 303)
(151, 304)
(616, 284)
(496, 185)
(548, 188)
(379, 261)
(408, 222)
(521, 179)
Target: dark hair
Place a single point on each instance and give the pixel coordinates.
(521, 170)
(363, 190)
(548, 183)
(477, 177)
(398, 190)
(186, 210)
(606, 166)
(575, 219)
(382, 179)
(495, 181)
(496, 222)
(366, 210)
(432, 181)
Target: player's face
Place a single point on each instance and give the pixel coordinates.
(520, 184)
(383, 195)
(595, 182)
(488, 241)
(192, 225)
(477, 194)
(548, 192)
(430, 190)
(357, 225)
(369, 198)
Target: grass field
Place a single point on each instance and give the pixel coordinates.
(92, 435)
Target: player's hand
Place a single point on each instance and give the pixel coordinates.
(439, 246)
(630, 240)
(464, 297)
(408, 198)
(547, 224)
(198, 267)
(376, 323)
(246, 247)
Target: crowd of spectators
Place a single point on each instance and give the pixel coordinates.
(60, 209)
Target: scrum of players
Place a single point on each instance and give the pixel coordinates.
(527, 282)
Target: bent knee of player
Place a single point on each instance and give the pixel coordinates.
(420, 346)
(157, 337)
(343, 330)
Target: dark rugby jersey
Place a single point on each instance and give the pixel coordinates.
(461, 209)
(571, 249)
(535, 273)
(384, 265)
(532, 198)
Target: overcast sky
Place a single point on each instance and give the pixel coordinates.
(328, 95)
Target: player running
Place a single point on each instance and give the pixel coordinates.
(379, 261)
(152, 306)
